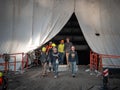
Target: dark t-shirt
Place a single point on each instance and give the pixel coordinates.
(73, 56)
(68, 46)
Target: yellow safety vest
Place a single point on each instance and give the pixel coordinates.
(61, 48)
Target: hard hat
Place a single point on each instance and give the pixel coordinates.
(43, 49)
(53, 45)
(1, 74)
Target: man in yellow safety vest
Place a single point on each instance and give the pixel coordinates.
(61, 51)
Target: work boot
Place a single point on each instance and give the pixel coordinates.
(73, 75)
(55, 77)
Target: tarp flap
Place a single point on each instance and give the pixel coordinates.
(100, 17)
(27, 24)
(99, 20)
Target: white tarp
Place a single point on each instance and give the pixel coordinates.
(103, 17)
(27, 24)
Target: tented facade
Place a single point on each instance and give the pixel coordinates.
(28, 24)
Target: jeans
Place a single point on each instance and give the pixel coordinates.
(55, 66)
(73, 67)
(62, 58)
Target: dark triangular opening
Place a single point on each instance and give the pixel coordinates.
(72, 29)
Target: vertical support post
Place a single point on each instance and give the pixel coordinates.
(100, 65)
(5, 64)
(90, 60)
(26, 60)
(14, 64)
(22, 61)
(96, 61)
(93, 61)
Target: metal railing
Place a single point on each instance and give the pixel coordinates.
(23, 61)
(96, 61)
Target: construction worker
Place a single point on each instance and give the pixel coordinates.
(3, 82)
(61, 51)
(43, 60)
(49, 52)
(49, 48)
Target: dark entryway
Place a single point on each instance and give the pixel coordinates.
(73, 31)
